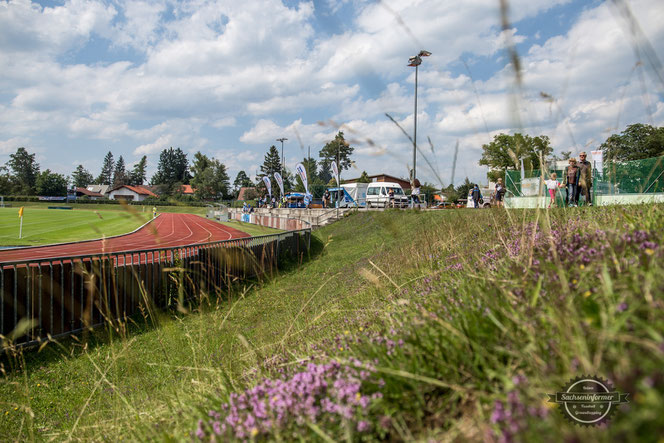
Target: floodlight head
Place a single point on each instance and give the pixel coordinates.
(424, 53)
(414, 60)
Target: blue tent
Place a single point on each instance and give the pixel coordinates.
(296, 200)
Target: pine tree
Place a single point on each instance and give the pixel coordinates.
(106, 175)
(137, 175)
(242, 180)
(173, 169)
(23, 172)
(364, 178)
(337, 151)
(81, 177)
(119, 174)
(271, 165)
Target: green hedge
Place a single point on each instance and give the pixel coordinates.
(161, 201)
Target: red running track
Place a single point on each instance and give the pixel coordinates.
(167, 230)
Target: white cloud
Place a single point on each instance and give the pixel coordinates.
(163, 142)
(141, 25)
(29, 28)
(10, 146)
(224, 122)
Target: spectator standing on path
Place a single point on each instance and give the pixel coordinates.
(326, 198)
(415, 195)
(552, 185)
(571, 181)
(476, 194)
(500, 192)
(585, 179)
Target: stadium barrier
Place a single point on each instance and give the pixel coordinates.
(56, 297)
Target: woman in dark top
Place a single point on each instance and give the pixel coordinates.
(571, 180)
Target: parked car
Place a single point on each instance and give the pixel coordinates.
(445, 205)
(484, 203)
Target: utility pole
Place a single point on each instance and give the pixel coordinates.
(283, 165)
(416, 61)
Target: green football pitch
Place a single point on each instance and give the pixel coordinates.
(47, 226)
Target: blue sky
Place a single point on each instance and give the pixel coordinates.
(227, 78)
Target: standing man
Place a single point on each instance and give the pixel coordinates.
(326, 198)
(585, 179)
(476, 194)
(154, 212)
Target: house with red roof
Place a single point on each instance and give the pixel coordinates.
(130, 193)
(84, 192)
(187, 190)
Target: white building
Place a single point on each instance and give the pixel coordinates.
(131, 193)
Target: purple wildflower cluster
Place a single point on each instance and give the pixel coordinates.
(330, 393)
(511, 417)
(388, 340)
(575, 243)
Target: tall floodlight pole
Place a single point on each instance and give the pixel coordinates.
(416, 61)
(283, 166)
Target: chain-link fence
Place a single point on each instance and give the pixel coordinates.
(644, 176)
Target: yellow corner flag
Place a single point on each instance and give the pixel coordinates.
(20, 229)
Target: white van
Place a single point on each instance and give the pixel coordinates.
(378, 195)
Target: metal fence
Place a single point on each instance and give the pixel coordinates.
(644, 176)
(60, 296)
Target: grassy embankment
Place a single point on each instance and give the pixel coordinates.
(403, 325)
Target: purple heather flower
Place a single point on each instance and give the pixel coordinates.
(200, 433)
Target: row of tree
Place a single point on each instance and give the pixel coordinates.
(21, 175)
(207, 176)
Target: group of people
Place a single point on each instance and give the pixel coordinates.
(267, 202)
(577, 179)
(246, 208)
(497, 196)
(272, 202)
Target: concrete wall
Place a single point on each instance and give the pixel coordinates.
(287, 219)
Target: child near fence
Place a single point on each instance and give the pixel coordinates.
(552, 185)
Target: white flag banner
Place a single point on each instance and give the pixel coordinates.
(268, 185)
(598, 160)
(302, 172)
(335, 169)
(280, 182)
